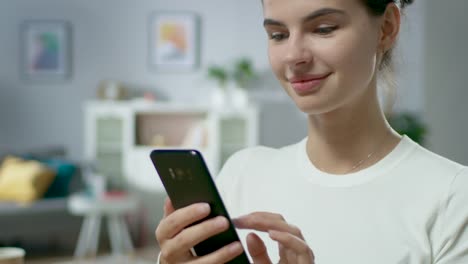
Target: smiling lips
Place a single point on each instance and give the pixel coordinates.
(307, 84)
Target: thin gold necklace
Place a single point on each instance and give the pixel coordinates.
(358, 163)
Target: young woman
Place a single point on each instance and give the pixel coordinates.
(353, 191)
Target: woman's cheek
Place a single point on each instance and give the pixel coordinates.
(353, 60)
(276, 62)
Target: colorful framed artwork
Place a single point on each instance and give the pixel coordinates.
(46, 50)
(174, 41)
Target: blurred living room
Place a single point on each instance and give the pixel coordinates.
(89, 88)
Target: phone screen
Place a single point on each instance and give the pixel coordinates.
(187, 180)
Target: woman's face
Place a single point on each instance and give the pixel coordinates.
(324, 52)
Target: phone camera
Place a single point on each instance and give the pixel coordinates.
(189, 175)
(172, 173)
(179, 172)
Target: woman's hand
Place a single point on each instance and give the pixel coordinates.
(292, 247)
(176, 238)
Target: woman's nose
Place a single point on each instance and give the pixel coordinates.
(298, 53)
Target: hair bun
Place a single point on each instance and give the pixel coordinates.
(405, 3)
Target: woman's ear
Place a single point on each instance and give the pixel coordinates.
(390, 27)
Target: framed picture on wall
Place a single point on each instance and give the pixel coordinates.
(45, 50)
(174, 41)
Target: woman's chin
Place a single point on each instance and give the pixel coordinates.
(310, 107)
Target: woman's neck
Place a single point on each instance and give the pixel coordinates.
(350, 139)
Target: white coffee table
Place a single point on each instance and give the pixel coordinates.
(93, 210)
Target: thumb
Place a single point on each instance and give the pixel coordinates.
(257, 249)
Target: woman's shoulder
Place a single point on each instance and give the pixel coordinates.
(260, 157)
(434, 169)
(431, 161)
(253, 164)
(437, 177)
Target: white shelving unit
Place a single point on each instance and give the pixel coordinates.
(119, 136)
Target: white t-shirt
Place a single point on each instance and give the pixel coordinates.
(409, 208)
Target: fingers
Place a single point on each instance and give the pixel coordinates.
(177, 234)
(193, 235)
(282, 253)
(295, 249)
(257, 249)
(168, 208)
(222, 255)
(263, 221)
(292, 247)
(179, 219)
(292, 242)
(286, 255)
(291, 256)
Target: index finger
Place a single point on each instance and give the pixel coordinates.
(257, 249)
(168, 207)
(263, 221)
(180, 219)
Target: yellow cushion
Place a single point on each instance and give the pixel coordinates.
(24, 180)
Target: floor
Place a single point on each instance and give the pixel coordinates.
(141, 256)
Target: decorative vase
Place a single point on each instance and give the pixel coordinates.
(237, 96)
(218, 97)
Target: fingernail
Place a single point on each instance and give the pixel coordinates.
(236, 247)
(221, 222)
(204, 208)
(272, 233)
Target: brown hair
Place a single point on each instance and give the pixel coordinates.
(386, 67)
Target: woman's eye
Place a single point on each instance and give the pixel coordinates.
(277, 36)
(325, 30)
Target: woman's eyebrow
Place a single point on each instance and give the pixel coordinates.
(314, 15)
(272, 22)
(322, 12)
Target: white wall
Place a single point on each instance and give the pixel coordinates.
(111, 42)
(409, 60)
(446, 70)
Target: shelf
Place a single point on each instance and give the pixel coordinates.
(109, 129)
(121, 135)
(109, 147)
(168, 107)
(169, 129)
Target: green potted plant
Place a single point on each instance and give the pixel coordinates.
(219, 74)
(243, 72)
(410, 124)
(233, 82)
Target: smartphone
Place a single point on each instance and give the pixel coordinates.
(187, 180)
